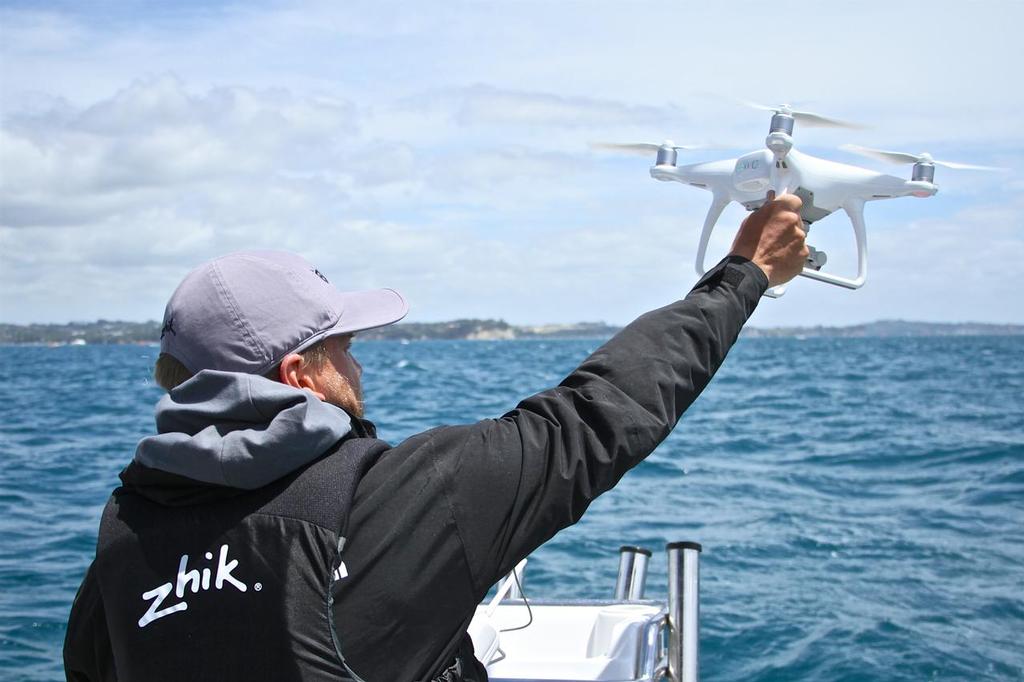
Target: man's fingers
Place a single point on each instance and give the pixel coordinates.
(791, 202)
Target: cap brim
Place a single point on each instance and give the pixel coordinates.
(361, 310)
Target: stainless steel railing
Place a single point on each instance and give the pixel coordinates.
(683, 611)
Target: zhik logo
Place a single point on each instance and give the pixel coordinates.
(193, 579)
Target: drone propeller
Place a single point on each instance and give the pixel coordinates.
(806, 117)
(643, 148)
(903, 157)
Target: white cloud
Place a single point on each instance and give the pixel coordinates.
(444, 151)
(485, 105)
(40, 32)
(154, 140)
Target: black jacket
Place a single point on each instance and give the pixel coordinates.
(443, 515)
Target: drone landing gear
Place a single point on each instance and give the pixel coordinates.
(816, 259)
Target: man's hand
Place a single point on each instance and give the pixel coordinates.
(773, 237)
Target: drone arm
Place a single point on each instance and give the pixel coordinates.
(778, 180)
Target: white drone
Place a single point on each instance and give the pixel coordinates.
(823, 186)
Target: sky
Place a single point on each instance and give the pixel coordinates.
(442, 149)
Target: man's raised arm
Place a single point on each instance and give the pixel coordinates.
(517, 480)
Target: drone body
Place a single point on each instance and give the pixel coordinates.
(747, 179)
(824, 186)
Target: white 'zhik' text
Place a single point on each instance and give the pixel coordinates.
(194, 580)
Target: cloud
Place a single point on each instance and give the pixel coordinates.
(153, 141)
(445, 151)
(485, 105)
(40, 32)
(116, 199)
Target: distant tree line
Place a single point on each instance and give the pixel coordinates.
(102, 331)
(113, 332)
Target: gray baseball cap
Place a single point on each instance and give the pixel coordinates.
(245, 311)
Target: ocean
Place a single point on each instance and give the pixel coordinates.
(860, 501)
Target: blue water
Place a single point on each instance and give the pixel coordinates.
(860, 502)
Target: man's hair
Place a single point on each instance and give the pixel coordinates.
(169, 372)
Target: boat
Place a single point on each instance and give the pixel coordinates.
(622, 639)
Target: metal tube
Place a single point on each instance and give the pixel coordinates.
(639, 581)
(626, 556)
(683, 611)
(651, 657)
(632, 576)
(691, 613)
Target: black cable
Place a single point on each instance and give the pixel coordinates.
(515, 576)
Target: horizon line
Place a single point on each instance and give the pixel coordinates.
(552, 324)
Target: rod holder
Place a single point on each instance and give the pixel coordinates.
(683, 611)
(632, 578)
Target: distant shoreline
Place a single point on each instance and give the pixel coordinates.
(119, 332)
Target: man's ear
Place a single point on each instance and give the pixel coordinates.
(295, 375)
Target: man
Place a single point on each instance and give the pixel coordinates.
(264, 533)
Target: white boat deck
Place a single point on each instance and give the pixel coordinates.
(584, 640)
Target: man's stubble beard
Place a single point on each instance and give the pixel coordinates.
(338, 391)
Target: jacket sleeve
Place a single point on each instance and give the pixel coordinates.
(88, 656)
(514, 482)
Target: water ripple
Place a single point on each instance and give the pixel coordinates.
(861, 502)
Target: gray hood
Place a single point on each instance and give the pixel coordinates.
(239, 430)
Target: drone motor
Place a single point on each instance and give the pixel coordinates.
(781, 123)
(666, 156)
(923, 170)
(780, 136)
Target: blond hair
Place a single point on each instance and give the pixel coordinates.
(169, 372)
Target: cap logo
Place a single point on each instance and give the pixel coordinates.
(320, 275)
(169, 327)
